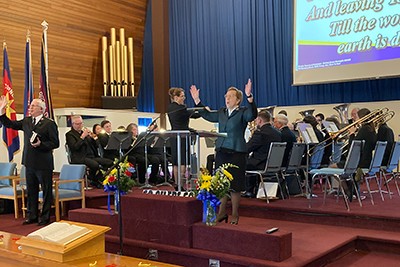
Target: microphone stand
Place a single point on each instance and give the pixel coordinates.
(165, 165)
(116, 166)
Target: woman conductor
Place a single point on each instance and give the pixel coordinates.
(233, 120)
(179, 116)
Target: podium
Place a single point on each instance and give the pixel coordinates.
(91, 244)
(192, 137)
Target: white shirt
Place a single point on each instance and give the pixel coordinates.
(37, 119)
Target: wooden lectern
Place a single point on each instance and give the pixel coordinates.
(91, 244)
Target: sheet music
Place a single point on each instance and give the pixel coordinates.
(330, 126)
(307, 132)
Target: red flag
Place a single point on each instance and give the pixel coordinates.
(44, 92)
(10, 136)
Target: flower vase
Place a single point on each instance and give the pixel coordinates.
(116, 201)
(209, 213)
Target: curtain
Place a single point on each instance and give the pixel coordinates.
(145, 97)
(215, 44)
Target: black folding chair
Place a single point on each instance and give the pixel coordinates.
(272, 167)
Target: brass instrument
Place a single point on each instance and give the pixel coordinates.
(376, 118)
(343, 110)
(252, 126)
(308, 112)
(270, 109)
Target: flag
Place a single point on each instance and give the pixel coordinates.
(10, 136)
(44, 92)
(28, 92)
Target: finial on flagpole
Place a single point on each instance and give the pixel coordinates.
(4, 43)
(45, 25)
(28, 34)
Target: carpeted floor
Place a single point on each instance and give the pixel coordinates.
(322, 234)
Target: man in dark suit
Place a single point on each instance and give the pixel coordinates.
(37, 156)
(258, 147)
(104, 136)
(281, 123)
(385, 133)
(83, 150)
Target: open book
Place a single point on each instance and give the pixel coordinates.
(60, 232)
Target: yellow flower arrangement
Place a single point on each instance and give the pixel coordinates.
(126, 182)
(217, 184)
(211, 188)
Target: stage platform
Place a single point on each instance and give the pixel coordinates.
(320, 235)
(309, 235)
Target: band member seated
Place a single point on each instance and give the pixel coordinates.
(156, 157)
(281, 123)
(367, 133)
(104, 136)
(385, 133)
(83, 150)
(258, 147)
(137, 156)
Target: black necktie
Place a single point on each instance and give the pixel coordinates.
(34, 121)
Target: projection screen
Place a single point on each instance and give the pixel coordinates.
(345, 40)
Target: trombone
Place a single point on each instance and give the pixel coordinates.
(376, 118)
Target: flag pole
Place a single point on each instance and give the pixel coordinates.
(45, 27)
(28, 94)
(45, 87)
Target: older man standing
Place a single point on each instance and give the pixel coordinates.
(40, 139)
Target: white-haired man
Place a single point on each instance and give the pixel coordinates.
(37, 156)
(84, 150)
(281, 123)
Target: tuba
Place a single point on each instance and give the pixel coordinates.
(308, 112)
(343, 110)
(270, 109)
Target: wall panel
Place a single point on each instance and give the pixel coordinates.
(74, 43)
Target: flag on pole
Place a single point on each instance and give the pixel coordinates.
(10, 136)
(28, 92)
(44, 92)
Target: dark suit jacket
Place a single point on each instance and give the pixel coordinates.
(234, 125)
(386, 134)
(179, 116)
(260, 143)
(288, 137)
(80, 148)
(41, 157)
(366, 133)
(107, 153)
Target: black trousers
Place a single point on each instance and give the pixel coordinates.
(35, 177)
(94, 165)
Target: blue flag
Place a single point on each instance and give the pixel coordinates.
(28, 92)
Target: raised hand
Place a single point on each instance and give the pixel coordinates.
(195, 93)
(3, 104)
(247, 88)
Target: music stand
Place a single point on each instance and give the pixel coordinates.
(158, 142)
(119, 140)
(309, 137)
(141, 141)
(210, 141)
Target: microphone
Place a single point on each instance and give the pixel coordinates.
(153, 122)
